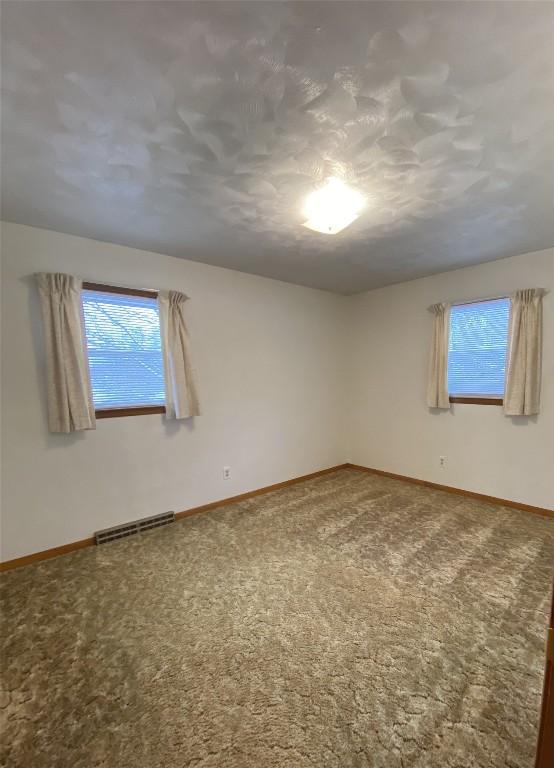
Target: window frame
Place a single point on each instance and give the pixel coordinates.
(478, 399)
(138, 410)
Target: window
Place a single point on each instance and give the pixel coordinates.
(124, 349)
(477, 347)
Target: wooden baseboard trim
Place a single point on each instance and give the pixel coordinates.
(46, 554)
(459, 491)
(257, 492)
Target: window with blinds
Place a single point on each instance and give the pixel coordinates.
(124, 349)
(477, 348)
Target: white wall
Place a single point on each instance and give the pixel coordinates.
(392, 428)
(268, 357)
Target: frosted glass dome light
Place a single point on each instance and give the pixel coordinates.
(332, 207)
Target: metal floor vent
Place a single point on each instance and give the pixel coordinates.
(137, 526)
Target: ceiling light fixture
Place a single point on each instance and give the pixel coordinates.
(332, 207)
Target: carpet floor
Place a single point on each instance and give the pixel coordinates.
(349, 621)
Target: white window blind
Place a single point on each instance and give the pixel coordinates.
(124, 349)
(477, 346)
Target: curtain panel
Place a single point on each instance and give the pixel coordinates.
(180, 379)
(70, 405)
(523, 370)
(437, 379)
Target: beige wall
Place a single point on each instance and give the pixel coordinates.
(268, 360)
(292, 380)
(392, 428)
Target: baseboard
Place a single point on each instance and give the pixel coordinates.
(459, 491)
(257, 492)
(46, 554)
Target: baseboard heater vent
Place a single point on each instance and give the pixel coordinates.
(137, 526)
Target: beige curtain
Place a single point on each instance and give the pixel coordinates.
(437, 382)
(180, 380)
(523, 370)
(70, 406)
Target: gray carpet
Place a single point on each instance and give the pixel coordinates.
(346, 621)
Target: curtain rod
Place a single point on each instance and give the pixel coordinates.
(488, 298)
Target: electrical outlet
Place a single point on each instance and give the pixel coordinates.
(442, 461)
(226, 473)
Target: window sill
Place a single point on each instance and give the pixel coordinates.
(477, 400)
(141, 410)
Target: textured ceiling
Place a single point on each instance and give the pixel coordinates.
(198, 129)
